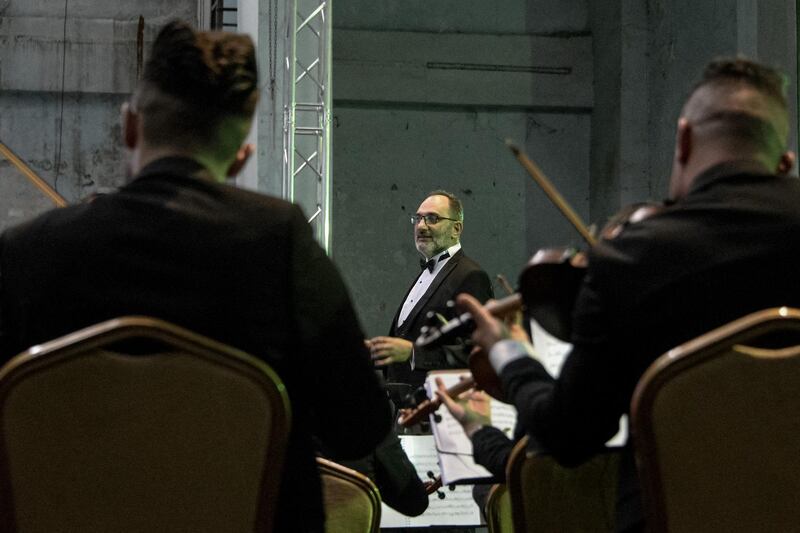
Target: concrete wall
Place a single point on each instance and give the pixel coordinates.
(63, 77)
(647, 56)
(463, 16)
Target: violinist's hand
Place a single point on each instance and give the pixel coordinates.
(471, 409)
(518, 333)
(402, 413)
(515, 330)
(488, 330)
(387, 350)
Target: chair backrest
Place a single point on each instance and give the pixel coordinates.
(352, 502)
(716, 429)
(138, 425)
(546, 496)
(498, 510)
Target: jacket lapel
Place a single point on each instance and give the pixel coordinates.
(443, 274)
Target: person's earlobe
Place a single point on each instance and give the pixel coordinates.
(786, 163)
(130, 126)
(683, 141)
(242, 156)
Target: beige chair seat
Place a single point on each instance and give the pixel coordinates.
(716, 427)
(498, 510)
(352, 502)
(181, 434)
(547, 497)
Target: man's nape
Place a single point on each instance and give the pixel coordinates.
(206, 119)
(738, 111)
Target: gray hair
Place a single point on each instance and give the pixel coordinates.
(456, 209)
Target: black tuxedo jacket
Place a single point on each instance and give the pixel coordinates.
(459, 274)
(729, 248)
(230, 264)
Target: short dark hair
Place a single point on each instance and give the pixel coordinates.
(761, 130)
(192, 81)
(456, 209)
(738, 70)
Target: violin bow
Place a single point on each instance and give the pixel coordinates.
(31, 175)
(552, 193)
(503, 281)
(431, 405)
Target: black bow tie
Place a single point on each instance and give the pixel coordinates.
(430, 264)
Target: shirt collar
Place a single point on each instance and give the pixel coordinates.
(175, 165)
(452, 251)
(727, 169)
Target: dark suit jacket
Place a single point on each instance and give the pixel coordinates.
(459, 274)
(395, 476)
(729, 248)
(230, 264)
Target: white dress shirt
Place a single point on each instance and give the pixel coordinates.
(424, 281)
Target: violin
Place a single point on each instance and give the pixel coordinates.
(550, 281)
(479, 365)
(462, 324)
(549, 284)
(433, 484)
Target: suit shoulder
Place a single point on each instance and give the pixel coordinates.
(472, 278)
(467, 264)
(258, 199)
(55, 218)
(277, 209)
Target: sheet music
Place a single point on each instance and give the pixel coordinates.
(455, 449)
(550, 351)
(456, 509)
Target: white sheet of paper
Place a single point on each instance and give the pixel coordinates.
(550, 351)
(455, 449)
(456, 509)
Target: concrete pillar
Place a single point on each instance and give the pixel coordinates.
(266, 22)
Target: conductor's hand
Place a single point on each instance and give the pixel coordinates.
(471, 409)
(387, 350)
(488, 330)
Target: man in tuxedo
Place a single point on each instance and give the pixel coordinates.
(446, 271)
(178, 244)
(726, 247)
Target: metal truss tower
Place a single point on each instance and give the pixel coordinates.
(307, 115)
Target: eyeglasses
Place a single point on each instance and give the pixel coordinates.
(430, 219)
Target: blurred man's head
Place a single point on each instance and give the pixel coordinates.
(196, 99)
(736, 111)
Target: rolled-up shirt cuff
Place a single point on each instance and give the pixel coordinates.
(507, 350)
